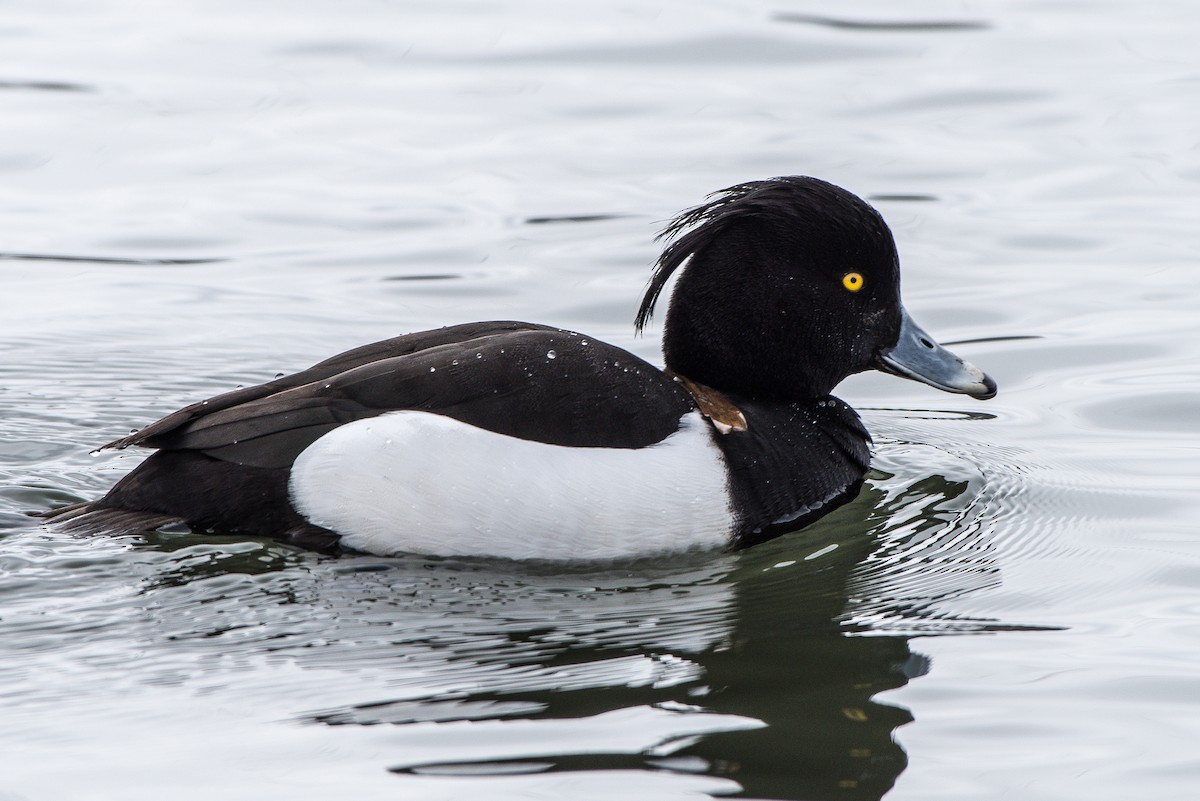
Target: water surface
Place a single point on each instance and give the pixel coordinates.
(204, 195)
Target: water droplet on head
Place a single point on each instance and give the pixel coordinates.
(583, 342)
(550, 354)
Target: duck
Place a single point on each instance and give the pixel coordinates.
(516, 440)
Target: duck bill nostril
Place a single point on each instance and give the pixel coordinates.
(917, 356)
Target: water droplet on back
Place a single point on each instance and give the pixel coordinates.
(550, 354)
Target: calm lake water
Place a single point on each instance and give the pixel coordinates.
(197, 195)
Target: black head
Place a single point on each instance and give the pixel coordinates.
(790, 285)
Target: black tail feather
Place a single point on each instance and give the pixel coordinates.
(89, 519)
(204, 494)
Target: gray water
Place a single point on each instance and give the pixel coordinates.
(197, 195)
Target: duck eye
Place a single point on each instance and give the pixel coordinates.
(852, 281)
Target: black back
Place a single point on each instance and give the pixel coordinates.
(528, 381)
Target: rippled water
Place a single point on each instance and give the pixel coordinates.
(201, 195)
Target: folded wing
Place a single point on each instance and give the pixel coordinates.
(520, 379)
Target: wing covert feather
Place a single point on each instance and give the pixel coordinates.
(526, 381)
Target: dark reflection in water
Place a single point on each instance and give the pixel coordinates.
(789, 659)
(197, 558)
(825, 735)
(767, 663)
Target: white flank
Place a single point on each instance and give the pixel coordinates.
(415, 482)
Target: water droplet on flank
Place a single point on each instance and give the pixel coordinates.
(550, 354)
(480, 355)
(433, 369)
(454, 361)
(583, 342)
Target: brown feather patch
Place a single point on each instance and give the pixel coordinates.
(713, 405)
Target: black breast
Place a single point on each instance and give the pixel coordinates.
(793, 464)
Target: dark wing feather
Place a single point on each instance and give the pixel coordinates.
(526, 381)
(154, 434)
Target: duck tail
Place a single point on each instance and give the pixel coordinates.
(89, 518)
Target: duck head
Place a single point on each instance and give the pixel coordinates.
(788, 286)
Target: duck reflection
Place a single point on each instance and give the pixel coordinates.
(754, 667)
(758, 671)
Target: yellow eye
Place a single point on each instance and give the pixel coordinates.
(852, 281)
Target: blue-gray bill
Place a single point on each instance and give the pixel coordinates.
(918, 356)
